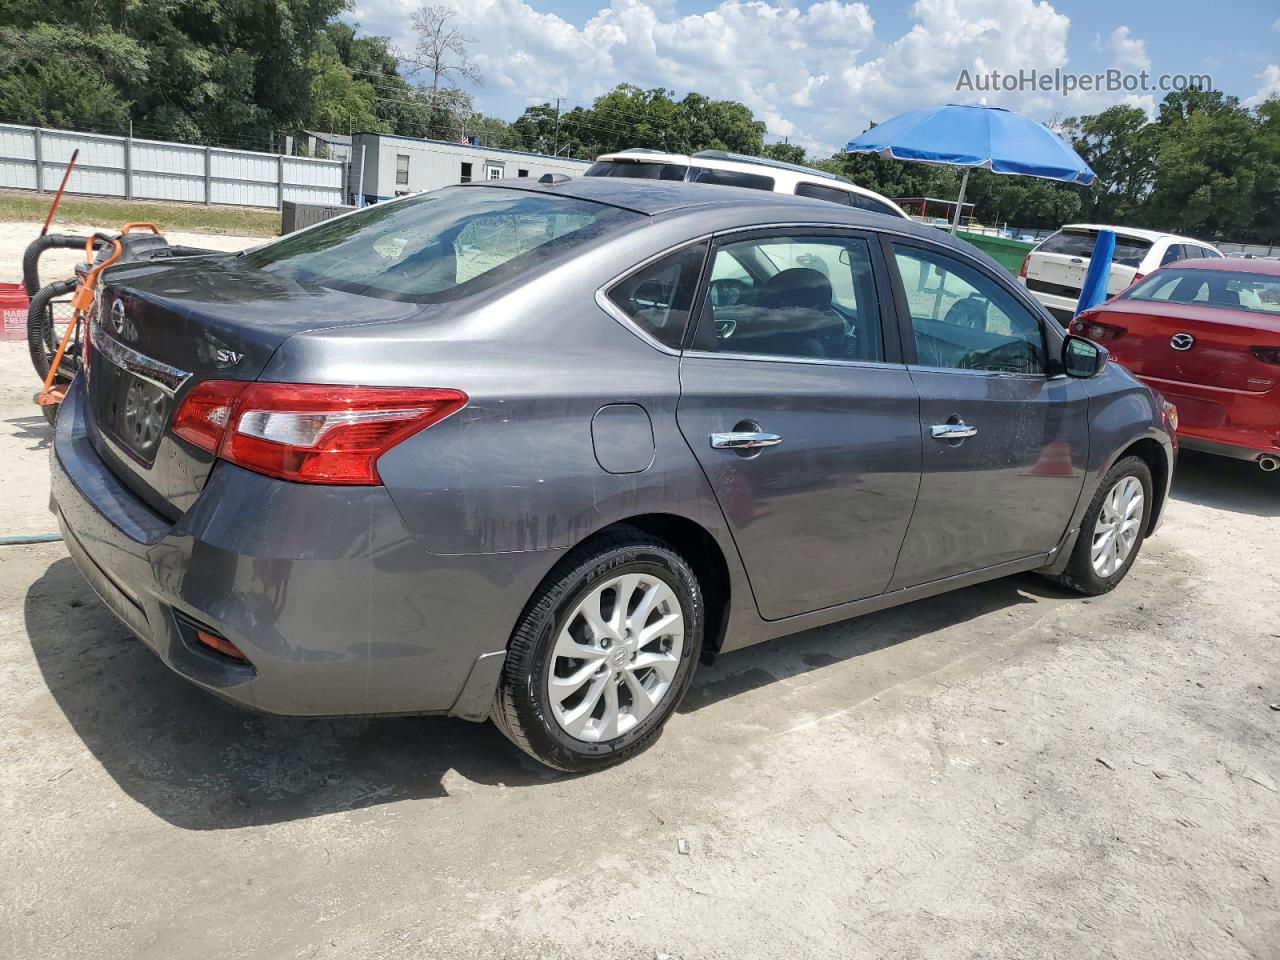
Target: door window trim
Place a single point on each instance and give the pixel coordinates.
(1050, 343)
(889, 334)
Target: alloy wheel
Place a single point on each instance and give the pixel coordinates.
(1119, 523)
(616, 657)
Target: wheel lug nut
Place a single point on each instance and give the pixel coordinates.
(606, 643)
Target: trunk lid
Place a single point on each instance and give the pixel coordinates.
(1218, 353)
(160, 329)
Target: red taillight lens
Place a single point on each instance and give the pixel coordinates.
(1093, 330)
(202, 419)
(1022, 270)
(310, 433)
(1266, 354)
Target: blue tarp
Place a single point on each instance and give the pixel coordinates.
(1094, 289)
(970, 135)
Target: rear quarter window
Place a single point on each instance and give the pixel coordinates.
(659, 296)
(817, 191)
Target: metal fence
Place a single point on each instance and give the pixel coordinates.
(34, 158)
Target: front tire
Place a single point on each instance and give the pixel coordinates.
(1113, 530)
(602, 655)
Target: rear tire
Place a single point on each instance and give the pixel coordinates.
(1113, 530)
(635, 664)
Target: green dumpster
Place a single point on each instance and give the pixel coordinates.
(1008, 253)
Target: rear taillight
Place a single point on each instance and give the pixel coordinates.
(309, 433)
(202, 418)
(1093, 330)
(1022, 270)
(1267, 354)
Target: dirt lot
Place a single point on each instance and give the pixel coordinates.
(1002, 772)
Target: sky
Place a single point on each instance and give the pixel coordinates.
(817, 73)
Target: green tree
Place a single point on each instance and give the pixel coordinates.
(786, 152)
(340, 102)
(1120, 146)
(233, 71)
(1209, 155)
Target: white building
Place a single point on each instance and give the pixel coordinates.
(385, 165)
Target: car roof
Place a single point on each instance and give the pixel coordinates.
(785, 174)
(1258, 265)
(1139, 232)
(725, 207)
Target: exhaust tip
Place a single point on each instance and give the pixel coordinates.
(1268, 463)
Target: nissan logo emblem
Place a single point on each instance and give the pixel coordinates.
(1182, 341)
(117, 317)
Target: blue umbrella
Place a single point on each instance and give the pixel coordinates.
(972, 135)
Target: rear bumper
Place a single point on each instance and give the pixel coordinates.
(1062, 308)
(338, 608)
(1232, 423)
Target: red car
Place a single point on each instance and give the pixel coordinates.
(1206, 334)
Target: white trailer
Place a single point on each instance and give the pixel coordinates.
(384, 165)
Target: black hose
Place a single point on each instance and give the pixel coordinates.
(40, 324)
(31, 258)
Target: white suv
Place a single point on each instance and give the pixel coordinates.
(738, 170)
(1054, 271)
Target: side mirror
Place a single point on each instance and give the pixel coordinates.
(1082, 358)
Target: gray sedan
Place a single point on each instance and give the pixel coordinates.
(531, 451)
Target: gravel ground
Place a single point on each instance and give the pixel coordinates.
(1006, 771)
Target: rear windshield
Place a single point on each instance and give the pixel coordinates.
(1229, 289)
(1079, 243)
(637, 171)
(439, 246)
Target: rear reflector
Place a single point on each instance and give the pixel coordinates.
(309, 433)
(222, 646)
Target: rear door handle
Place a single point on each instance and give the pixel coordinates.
(952, 431)
(744, 440)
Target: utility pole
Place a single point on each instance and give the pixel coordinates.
(555, 150)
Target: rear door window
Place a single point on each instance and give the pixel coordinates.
(793, 296)
(730, 178)
(658, 297)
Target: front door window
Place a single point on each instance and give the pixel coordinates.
(963, 320)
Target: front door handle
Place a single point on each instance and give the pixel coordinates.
(952, 431)
(744, 440)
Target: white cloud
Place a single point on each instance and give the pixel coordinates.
(1126, 50)
(817, 73)
(1270, 78)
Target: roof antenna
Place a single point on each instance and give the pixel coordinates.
(552, 179)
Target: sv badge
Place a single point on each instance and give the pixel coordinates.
(227, 358)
